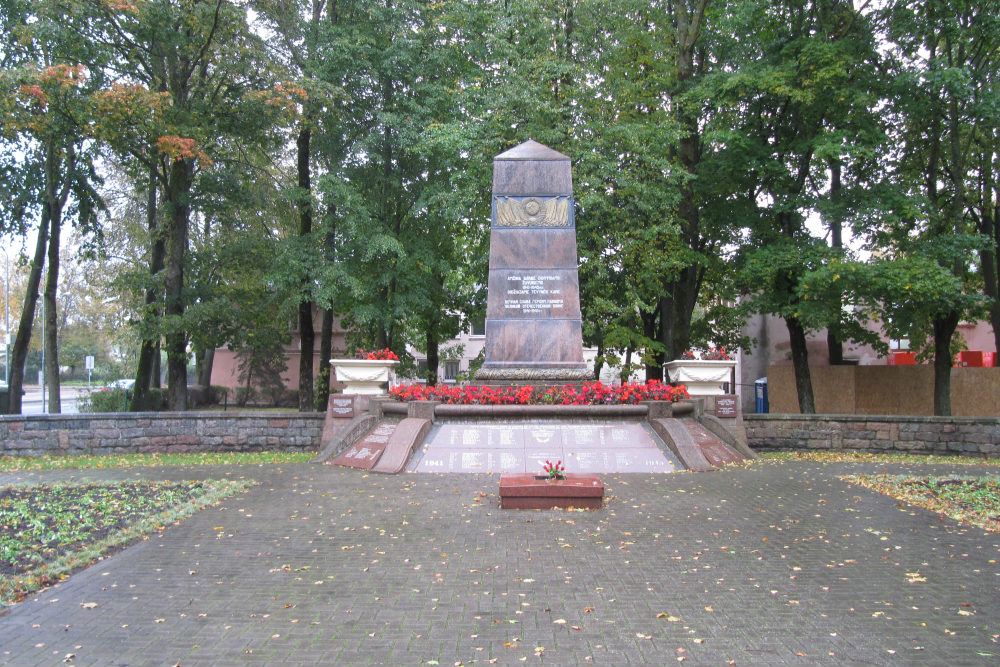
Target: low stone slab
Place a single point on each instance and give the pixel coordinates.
(539, 492)
(366, 452)
(712, 448)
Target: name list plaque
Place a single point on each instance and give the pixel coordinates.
(534, 331)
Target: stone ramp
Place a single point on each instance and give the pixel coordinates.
(404, 440)
(714, 450)
(367, 451)
(698, 448)
(386, 448)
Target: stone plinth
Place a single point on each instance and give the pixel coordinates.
(534, 332)
(540, 492)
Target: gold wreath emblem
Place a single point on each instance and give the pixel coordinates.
(532, 212)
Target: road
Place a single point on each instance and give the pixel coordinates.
(31, 402)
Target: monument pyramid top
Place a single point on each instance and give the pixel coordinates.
(532, 150)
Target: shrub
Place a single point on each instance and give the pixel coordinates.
(105, 400)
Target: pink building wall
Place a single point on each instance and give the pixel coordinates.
(225, 367)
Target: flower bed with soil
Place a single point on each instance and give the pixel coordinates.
(590, 393)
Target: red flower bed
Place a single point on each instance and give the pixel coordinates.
(377, 355)
(591, 393)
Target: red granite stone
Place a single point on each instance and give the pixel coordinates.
(521, 248)
(539, 492)
(719, 453)
(526, 343)
(366, 452)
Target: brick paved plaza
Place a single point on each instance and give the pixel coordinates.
(773, 564)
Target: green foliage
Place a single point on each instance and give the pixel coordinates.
(704, 139)
(104, 400)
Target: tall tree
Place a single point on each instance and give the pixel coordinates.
(786, 128)
(946, 54)
(46, 111)
(180, 68)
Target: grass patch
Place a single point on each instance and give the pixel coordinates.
(875, 457)
(971, 500)
(8, 463)
(49, 530)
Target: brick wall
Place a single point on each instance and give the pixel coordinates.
(972, 436)
(129, 433)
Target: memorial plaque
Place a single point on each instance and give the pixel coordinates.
(534, 330)
(341, 406)
(725, 406)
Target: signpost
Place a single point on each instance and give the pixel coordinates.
(88, 363)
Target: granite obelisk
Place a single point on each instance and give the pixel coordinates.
(534, 332)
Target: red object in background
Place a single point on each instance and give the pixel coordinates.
(989, 359)
(970, 358)
(902, 359)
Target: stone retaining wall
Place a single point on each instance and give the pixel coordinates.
(139, 432)
(972, 436)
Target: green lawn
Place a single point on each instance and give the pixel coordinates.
(136, 460)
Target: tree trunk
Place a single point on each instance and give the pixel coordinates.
(20, 352)
(599, 360)
(178, 194)
(835, 346)
(307, 335)
(157, 379)
(51, 342)
(325, 353)
(944, 331)
(307, 338)
(680, 295)
(677, 308)
(433, 357)
(800, 360)
(147, 373)
(205, 367)
(654, 370)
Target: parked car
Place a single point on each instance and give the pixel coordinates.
(119, 384)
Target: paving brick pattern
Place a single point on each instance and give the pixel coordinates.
(772, 564)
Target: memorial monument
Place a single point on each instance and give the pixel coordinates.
(534, 332)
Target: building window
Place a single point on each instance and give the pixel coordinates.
(479, 327)
(451, 370)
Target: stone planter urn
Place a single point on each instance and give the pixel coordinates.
(701, 377)
(366, 377)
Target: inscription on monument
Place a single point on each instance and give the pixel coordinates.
(342, 406)
(533, 294)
